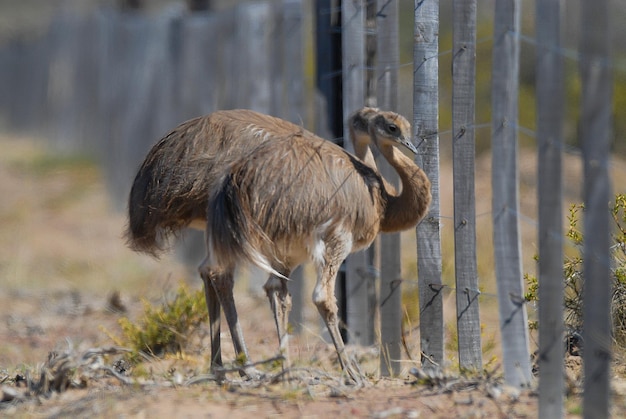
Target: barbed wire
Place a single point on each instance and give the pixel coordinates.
(374, 274)
(614, 63)
(529, 132)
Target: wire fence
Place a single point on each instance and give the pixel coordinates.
(127, 80)
(29, 52)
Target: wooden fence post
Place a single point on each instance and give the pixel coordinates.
(463, 116)
(71, 98)
(595, 129)
(360, 330)
(123, 86)
(254, 26)
(202, 79)
(390, 261)
(253, 75)
(293, 110)
(506, 238)
(550, 101)
(425, 126)
(201, 68)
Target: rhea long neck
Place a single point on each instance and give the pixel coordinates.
(406, 209)
(360, 141)
(364, 152)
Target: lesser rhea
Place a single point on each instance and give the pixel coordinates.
(297, 199)
(172, 186)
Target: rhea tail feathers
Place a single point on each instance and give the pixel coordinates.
(233, 234)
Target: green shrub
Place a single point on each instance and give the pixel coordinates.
(167, 328)
(573, 267)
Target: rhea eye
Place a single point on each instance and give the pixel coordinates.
(392, 128)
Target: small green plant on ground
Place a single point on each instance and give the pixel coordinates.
(166, 328)
(573, 275)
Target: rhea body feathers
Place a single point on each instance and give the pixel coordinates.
(172, 186)
(292, 195)
(288, 199)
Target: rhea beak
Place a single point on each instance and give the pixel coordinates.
(408, 145)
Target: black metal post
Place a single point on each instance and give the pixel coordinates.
(328, 82)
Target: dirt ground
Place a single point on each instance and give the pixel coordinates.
(70, 323)
(61, 260)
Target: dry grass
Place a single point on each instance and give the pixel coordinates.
(60, 248)
(59, 230)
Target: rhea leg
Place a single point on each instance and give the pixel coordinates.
(213, 307)
(326, 303)
(280, 301)
(222, 284)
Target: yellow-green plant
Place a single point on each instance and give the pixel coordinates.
(573, 266)
(166, 328)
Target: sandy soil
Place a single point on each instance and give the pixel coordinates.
(61, 258)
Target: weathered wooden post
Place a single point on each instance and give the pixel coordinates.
(463, 111)
(388, 55)
(550, 101)
(293, 110)
(360, 330)
(253, 75)
(425, 126)
(505, 185)
(595, 130)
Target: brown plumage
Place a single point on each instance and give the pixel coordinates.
(358, 126)
(296, 200)
(172, 186)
